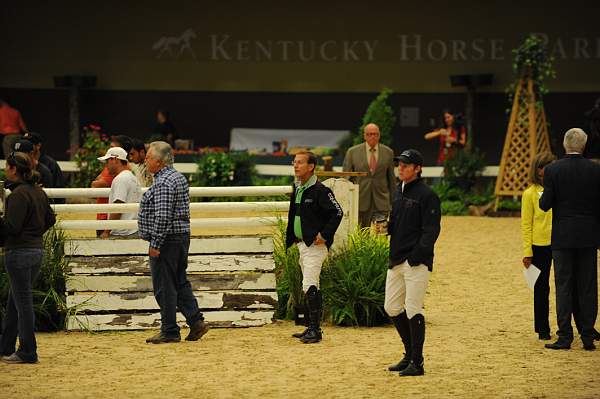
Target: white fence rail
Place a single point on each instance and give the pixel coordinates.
(266, 206)
(206, 223)
(238, 191)
(279, 170)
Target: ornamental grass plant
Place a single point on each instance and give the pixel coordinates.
(50, 307)
(287, 274)
(353, 280)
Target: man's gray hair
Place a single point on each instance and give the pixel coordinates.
(162, 151)
(575, 140)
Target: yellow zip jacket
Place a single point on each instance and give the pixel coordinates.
(536, 225)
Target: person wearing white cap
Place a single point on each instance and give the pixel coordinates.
(125, 188)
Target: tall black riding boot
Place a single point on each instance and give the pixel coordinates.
(403, 328)
(301, 334)
(314, 300)
(417, 337)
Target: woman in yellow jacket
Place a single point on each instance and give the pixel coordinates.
(536, 226)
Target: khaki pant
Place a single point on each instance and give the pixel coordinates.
(405, 288)
(311, 261)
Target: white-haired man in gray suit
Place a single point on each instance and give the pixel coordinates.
(377, 187)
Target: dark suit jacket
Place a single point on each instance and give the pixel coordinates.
(572, 191)
(375, 189)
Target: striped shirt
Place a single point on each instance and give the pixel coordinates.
(165, 207)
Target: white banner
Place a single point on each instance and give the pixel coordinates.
(262, 139)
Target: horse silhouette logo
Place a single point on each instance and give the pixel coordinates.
(169, 45)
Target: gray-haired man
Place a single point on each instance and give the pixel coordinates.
(164, 221)
(572, 191)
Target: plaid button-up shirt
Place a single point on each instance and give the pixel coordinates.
(165, 207)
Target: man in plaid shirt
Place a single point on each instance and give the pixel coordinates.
(164, 221)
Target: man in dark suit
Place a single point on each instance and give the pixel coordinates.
(376, 189)
(572, 191)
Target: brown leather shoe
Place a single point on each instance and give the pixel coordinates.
(161, 338)
(197, 330)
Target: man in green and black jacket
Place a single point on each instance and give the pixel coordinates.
(414, 227)
(313, 218)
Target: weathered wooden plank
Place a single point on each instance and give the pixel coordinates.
(207, 300)
(196, 263)
(139, 321)
(203, 245)
(200, 282)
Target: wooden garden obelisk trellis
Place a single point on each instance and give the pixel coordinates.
(527, 135)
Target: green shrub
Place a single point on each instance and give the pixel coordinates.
(378, 112)
(453, 201)
(287, 273)
(353, 280)
(245, 168)
(446, 192)
(509, 205)
(462, 170)
(49, 300)
(532, 59)
(224, 169)
(453, 208)
(481, 198)
(94, 145)
(214, 170)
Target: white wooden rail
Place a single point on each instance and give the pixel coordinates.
(266, 206)
(279, 170)
(205, 223)
(237, 191)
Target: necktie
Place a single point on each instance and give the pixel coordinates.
(372, 161)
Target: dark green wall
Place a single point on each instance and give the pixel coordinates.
(306, 47)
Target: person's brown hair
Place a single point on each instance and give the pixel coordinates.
(25, 167)
(539, 162)
(312, 158)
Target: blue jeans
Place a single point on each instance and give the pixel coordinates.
(172, 289)
(23, 267)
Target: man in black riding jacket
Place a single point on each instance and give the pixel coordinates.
(313, 218)
(414, 227)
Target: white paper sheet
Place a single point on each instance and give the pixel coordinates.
(531, 275)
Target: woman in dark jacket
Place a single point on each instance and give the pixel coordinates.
(28, 215)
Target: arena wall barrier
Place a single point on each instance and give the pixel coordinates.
(109, 282)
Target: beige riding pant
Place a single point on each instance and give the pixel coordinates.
(405, 288)
(311, 261)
